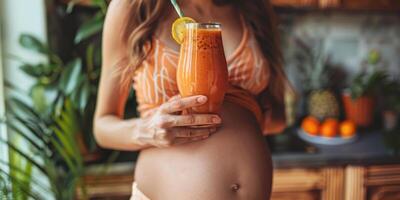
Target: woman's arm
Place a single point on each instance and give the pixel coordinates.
(111, 131)
(161, 129)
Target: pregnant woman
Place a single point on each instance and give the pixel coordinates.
(192, 156)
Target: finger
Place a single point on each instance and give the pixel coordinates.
(191, 132)
(179, 141)
(173, 98)
(183, 103)
(201, 120)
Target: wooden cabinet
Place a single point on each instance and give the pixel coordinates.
(104, 187)
(327, 183)
(348, 183)
(370, 5)
(308, 184)
(373, 183)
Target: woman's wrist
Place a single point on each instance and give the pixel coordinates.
(140, 134)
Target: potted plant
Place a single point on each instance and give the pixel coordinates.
(359, 99)
(55, 82)
(316, 74)
(51, 120)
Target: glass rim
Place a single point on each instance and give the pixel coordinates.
(207, 25)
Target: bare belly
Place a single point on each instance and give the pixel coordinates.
(233, 163)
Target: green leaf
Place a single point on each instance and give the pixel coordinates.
(22, 173)
(75, 95)
(32, 43)
(32, 70)
(39, 98)
(99, 3)
(34, 128)
(89, 58)
(70, 6)
(18, 106)
(58, 105)
(84, 97)
(24, 155)
(65, 156)
(65, 141)
(34, 143)
(373, 57)
(26, 180)
(22, 190)
(90, 28)
(65, 130)
(70, 77)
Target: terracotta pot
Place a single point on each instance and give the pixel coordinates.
(360, 110)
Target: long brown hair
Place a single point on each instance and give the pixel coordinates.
(146, 14)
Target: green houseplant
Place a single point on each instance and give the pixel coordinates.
(45, 145)
(74, 76)
(57, 117)
(49, 125)
(56, 80)
(359, 98)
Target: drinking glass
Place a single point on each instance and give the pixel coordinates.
(202, 67)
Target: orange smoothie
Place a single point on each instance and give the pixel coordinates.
(202, 68)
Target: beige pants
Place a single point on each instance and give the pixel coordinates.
(137, 194)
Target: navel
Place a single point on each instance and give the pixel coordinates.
(235, 187)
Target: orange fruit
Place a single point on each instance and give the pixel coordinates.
(329, 127)
(179, 27)
(347, 128)
(310, 125)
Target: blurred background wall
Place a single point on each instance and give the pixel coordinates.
(347, 38)
(21, 16)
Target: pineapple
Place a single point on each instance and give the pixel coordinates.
(315, 72)
(323, 104)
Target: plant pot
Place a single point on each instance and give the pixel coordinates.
(360, 110)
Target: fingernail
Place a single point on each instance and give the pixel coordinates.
(205, 137)
(202, 99)
(216, 120)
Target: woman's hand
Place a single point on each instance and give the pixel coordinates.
(164, 128)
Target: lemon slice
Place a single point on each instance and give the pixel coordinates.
(178, 28)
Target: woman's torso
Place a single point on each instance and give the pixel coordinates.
(210, 169)
(235, 157)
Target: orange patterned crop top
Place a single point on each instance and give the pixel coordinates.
(155, 80)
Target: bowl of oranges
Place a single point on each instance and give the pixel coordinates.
(329, 131)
